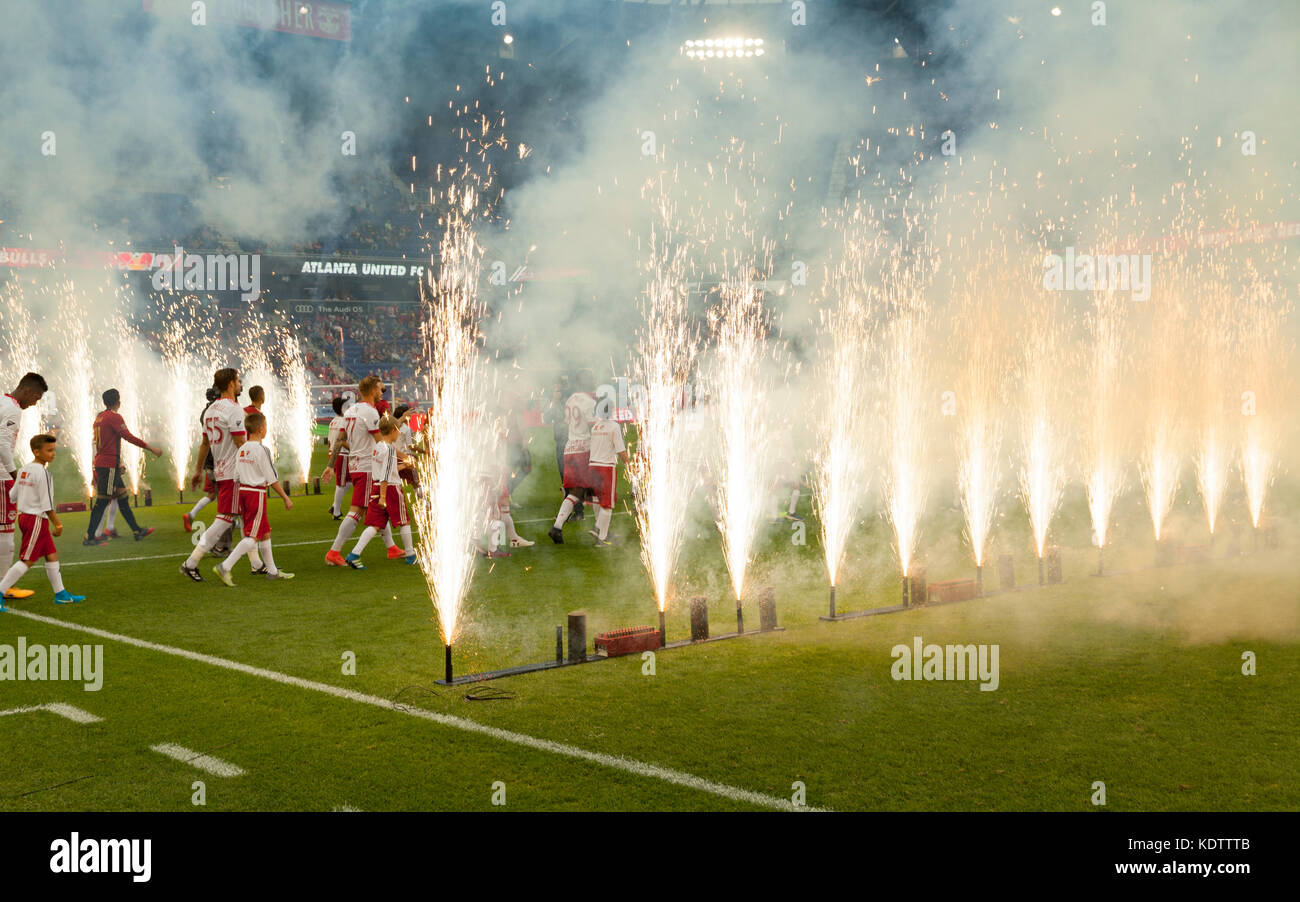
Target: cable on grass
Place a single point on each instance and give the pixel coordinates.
(489, 694)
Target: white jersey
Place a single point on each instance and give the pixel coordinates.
(606, 443)
(336, 429)
(254, 468)
(33, 492)
(222, 421)
(11, 418)
(579, 413)
(383, 464)
(405, 439)
(361, 426)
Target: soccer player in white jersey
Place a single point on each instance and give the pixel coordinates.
(257, 476)
(338, 464)
(579, 413)
(31, 388)
(387, 506)
(361, 428)
(224, 434)
(33, 495)
(607, 449)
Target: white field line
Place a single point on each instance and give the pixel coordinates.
(615, 762)
(71, 712)
(206, 763)
(185, 554)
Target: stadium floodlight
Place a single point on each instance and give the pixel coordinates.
(509, 39)
(733, 47)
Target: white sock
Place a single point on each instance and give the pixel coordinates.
(6, 549)
(388, 536)
(366, 535)
(493, 535)
(246, 546)
(253, 557)
(565, 510)
(346, 529)
(603, 517)
(211, 536)
(407, 545)
(794, 500)
(110, 517)
(11, 578)
(509, 521)
(265, 547)
(56, 578)
(336, 506)
(199, 505)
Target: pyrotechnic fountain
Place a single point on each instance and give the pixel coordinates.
(1161, 457)
(296, 411)
(1213, 348)
(128, 384)
(1042, 414)
(457, 434)
(659, 472)
(186, 381)
(73, 387)
(841, 463)
(1263, 355)
(20, 355)
(738, 383)
(907, 413)
(1104, 474)
(980, 397)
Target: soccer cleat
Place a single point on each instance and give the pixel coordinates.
(224, 575)
(66, 597)
(521, 543)
(792, 518)
(193, 573)
(187, 522)
(334, 559)
(89, 542)
(556, 535)
(15, 594)
(497, 554)
(111, 534)
(280, 574)
(142, 532)
(603, 543)
(394, 553)
(354, 561)
(410, 559)
(261, 571)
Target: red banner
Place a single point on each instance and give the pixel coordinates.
(310, 18)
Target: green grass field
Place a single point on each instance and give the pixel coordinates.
(1133, 679)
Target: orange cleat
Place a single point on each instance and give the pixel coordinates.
(395, 553)
(187, 522)
(335, 559)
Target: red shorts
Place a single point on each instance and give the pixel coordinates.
(603, 477)
(37, 541)
(227, 499)
(395, 513)
(209, 487)
(577, 471)
(8, 513)
(341, 470)
(360, 487)
(252, 507)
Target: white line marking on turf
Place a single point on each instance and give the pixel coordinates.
(184, 554)
(617, 762)
(69, 711)
(214, 766)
